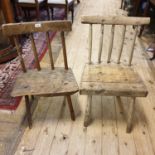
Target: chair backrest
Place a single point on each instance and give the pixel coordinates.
(113, 20)
(16, 29)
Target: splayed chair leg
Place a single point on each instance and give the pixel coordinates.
(70, 107)
(28, 111)
(88, 119)
(131, 115)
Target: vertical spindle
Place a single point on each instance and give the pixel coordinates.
(35, 52)
(111, 43)
(101, 44)
(121, 46)
(64, 49)
(90, 43)
(19, 51)
(132, 47)
(50, 50)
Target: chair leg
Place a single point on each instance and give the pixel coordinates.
(122, 4)
(66, 12)
(70, 107)
(78, 1)
(131, 115)
(87, 118)
(147, 7)
(52, 12)
(48, 13)
(38, 13)
(28, 111)
(72, 11)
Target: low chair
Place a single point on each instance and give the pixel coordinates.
(67, 5)
(108, 78)
(46, 82)
(27, 5)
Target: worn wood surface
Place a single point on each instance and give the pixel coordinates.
(111, 80)
(122, 20)
(31, 27)
(45, 82)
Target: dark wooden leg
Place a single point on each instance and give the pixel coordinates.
(48, 13)
(38, 13)
(153, 57)
(72, 11)
(122, 4)
(32, 97)
(66, 12)
(52, 12)
(29, 15)
(78, 1)
(28, 111)
(145, 14)
(70, 107)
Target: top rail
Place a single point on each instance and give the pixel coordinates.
(116, 20)
(31, 27)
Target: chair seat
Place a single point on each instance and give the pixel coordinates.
(58, 1)
(112, 81)
(45, 83)
(29, 1)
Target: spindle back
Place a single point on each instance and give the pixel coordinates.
(113, 20)
(16, 29)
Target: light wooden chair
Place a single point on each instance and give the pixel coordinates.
(68, 5)
(111, 79)
(46, 82)
(27, 5)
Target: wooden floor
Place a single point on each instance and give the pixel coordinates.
(53, 131)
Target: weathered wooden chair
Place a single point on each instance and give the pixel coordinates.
(68, 5)
(112, 79)
(27, 5)
(46, 82)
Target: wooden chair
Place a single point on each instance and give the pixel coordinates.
(68, 5)
(27, 5)
(46, 82)
(111, 79)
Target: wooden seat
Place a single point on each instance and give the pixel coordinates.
(67, 5)
(27, 5)
(46, 82)
(112, 79)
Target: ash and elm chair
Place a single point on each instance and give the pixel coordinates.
(112, 79)
(46, 82)
(67, 5)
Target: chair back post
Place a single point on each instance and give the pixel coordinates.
(111, 43)
(122, 43)
(19, 51)
(101, 43)
(50, 50)
(132, 47)
(34, 49)
(64, 50)
(114, 21)
(90, 43)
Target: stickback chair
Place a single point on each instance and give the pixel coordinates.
(107, 78)
(27, 5)
(46, 82)
(68, 5)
